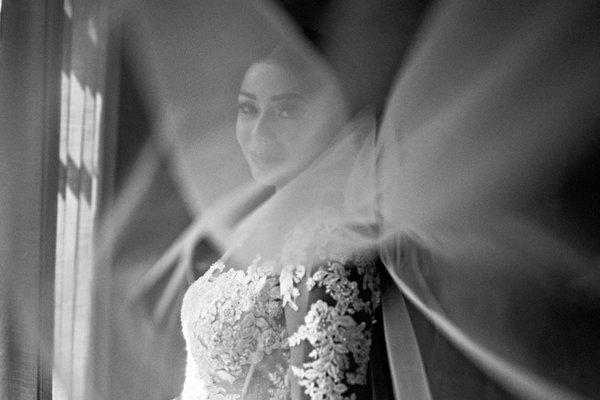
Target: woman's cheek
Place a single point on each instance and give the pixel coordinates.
(312, 142)
(242, 134)
(295, 142)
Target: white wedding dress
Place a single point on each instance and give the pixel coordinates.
(495, 105)
(234, 324)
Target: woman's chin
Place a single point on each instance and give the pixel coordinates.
(269, 180)
(271, 177)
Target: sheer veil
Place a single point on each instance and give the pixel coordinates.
(457, 186)
(480, 133)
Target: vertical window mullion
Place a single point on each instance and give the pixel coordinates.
(81, 144)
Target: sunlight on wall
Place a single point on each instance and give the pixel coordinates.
(82, 81)
(75, 228)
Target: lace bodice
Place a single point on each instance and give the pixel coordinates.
(232, 321)
(237, 338)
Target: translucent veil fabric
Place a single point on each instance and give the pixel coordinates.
(496, 105)
(457, 185)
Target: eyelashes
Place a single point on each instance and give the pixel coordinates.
(247, 108)
(282, 111)
(288, 111)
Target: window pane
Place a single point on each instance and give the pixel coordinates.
(82, 108)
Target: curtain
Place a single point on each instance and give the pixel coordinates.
(29, 64)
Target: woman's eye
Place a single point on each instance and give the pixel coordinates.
(247, 108)
(288, 111)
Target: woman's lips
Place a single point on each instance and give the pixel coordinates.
(266, 157)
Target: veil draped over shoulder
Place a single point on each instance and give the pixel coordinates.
(458, 183)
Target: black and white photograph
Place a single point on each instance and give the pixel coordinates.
(299, 200)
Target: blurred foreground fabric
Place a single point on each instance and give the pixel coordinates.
(486, 187)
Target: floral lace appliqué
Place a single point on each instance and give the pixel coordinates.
(281, 384)
(294, 260)
(308, 244)
(235, 328)
(338, 341)
(239, 325)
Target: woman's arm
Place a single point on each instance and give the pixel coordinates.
(330, 331)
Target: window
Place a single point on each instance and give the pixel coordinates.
(53, 136)
(83, 136)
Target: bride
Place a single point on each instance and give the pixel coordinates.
(479, 129)
(288, 311)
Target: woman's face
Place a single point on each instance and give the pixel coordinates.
(281, 126)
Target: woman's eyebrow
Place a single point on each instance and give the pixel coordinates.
(246, 94)
(287, 96)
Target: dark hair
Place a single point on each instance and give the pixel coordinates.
(330, 52)
(290, 59)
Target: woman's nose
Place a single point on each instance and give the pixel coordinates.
(263, 127)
